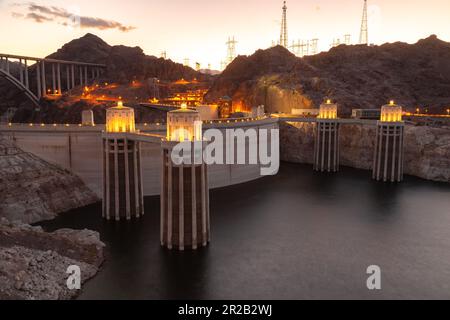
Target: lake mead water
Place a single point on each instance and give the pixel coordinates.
(297, 235)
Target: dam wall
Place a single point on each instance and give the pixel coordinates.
(78, 149)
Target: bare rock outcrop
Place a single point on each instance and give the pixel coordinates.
(33, 190)
(427, 149)
(33, 263)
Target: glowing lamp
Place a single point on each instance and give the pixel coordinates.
(120, 119)
(328, 110)
(391, 112)
(184, 125)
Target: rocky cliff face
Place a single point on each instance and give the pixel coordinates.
(427, 150)
(33, 263)
(354, 76)
(33, 190)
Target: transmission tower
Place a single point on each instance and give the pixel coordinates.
(296, 48)
(364, 36)
(284, 34)
(164, 54)
(186, 62)
(231, 50)
(314, 46)
(304, 48)
(347, 39)
(335, 43)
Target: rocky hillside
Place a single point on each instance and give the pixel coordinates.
(355, 76)
(33, 190)
(124, 63)
(33, 263)
(427, 150)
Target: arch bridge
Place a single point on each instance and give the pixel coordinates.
(50, 76)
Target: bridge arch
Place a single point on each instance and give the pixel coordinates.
(75, 74)
(20, 86)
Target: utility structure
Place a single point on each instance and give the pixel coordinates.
(153, 88)
(364, 35)
(122, 175)
(231, 50)
(335, 43)
(388, 155)
(347, 39)
(296, 48)
(326, 142)
(314, 46)
(284, 33)
(303, 48)
(185, 220)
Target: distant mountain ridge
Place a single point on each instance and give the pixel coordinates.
(416, 75)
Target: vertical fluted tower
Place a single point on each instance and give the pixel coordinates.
(388, 155)
(185, 222)
(122, 176)
(326, 142)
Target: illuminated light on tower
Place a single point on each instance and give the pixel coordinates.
(122, 176)
(284, 34)
(364, 35)
(326, 142)
(185, 219)
(120, 119)
(388, 155)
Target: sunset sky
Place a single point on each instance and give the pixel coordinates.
(198, 29)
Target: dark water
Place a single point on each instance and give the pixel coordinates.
(298, 235)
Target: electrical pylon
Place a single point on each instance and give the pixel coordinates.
(364, 36)
(284, 34)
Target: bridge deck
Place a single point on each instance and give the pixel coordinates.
(78, 63)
